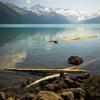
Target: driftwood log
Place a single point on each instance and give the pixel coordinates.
(54, 76)
(79, 38)
(66, 70)
(43, 79)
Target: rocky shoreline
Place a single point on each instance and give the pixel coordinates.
(63, 88)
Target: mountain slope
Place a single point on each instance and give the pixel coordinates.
(8, 15)
(16, 8)
(13, 14)
(94, 20)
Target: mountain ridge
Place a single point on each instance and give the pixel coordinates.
(38, 14)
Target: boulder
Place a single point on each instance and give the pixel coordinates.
(48, 95)
(75, 60)
(68, 95)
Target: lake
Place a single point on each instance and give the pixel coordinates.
(27, 45)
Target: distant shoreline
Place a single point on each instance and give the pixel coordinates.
(49, 25)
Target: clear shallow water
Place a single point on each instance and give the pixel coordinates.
(28, 46)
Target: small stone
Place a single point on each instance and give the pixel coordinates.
(51, 87)
(75, 60)
(81, 98)
(68, 95)
(2, 96)
(10, 98)
(78, 92)
(84, 77)
(48, 95)
(56, 86)
(70, 83)
(29, 96)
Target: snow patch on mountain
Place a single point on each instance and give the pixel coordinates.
(74, 16)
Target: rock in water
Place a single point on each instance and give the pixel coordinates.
(48, 95)
(75, 60)
(55, 41)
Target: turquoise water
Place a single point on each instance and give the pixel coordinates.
(27, 45)
(49, 25)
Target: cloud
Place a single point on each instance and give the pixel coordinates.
(50, 0)
(28, 1)
(10, 60)
(53, 0)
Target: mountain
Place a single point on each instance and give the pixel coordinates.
(38, 14)
(16, 8)
(41, 10)
(10, 13)
(94, 20)
(73, 16)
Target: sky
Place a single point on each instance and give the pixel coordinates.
(84, 5)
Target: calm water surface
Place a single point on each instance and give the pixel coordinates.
(27, 45)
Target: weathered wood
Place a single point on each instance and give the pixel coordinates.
(43, 79)
(51, 77)
(74, 69)
(79, 38)
(67, 70)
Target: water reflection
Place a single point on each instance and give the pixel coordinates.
(10, 60)
(16, 34)
(42, 34)
(29, 47)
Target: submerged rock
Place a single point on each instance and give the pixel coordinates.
(54, 41)
(75, 60)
